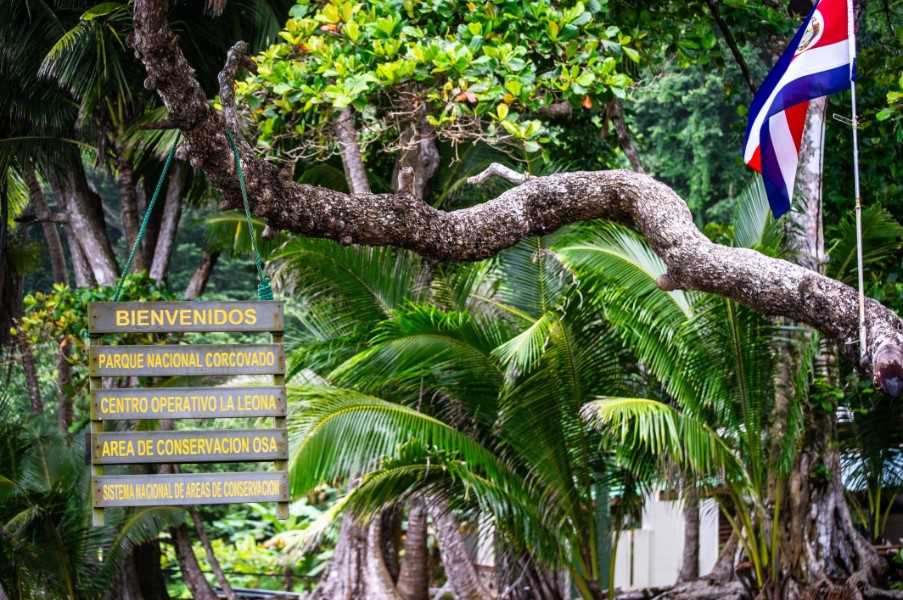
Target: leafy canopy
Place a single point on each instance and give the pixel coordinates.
(487, 73)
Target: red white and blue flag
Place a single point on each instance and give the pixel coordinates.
(820, 60)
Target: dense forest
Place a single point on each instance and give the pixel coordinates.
(529, 284)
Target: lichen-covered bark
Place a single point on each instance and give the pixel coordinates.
(540, 205)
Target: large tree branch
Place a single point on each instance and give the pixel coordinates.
(538, 206)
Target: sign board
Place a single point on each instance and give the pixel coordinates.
(178, 317)
(190, 488)
(147, 403)
(207, 359)
(187, 403)
(215, 445)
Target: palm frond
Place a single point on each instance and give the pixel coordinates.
(342, 433)
(364, 283)
(753, 225)
(665, 432)
(882, 236)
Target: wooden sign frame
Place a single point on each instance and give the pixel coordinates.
(186, 402)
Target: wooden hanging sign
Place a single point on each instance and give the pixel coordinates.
(220, 445)
(206, 359)
(190, 488)
(179, 317)
(112, 403)
(188, 403)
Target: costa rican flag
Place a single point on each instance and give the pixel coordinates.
(819, 61)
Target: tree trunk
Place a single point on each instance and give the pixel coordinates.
(379, 582)
(201, 276)
(413, 576)
(188, 563)
(169, 222)
(140, 576)
(86, 220)
(418, 160)
(350, 151)
(211, 555)
(521, 578)
(459, 568)
(616, 112)
(64, 413)
(821, 551)
(31, 374)
(84, 278)
(51, 233)
(344, 577)
(128, 205)
(146, 559)
(689, 568)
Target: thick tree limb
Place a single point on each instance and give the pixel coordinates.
(538, 206)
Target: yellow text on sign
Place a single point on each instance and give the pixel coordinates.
(188, 358)
(184, 317)
(212, 404)
(188, 446)
(189, 490)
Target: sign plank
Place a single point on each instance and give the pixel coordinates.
(176, 317)
(188, 403)
(190, 488)
(230, 445)
(206, 359)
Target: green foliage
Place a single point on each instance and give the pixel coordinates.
(485, 73)
(58, 320)
(47, 545)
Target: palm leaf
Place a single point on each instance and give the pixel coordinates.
(663, 431)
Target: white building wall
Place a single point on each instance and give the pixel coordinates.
(652, 554)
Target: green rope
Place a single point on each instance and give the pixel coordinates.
(146, 218)
(264, 290)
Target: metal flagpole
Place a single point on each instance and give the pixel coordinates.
(852, 49)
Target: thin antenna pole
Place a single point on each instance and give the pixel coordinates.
(851, 28)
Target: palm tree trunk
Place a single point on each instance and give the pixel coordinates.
(148, 575)
(86, 219)
(51, 233)
(31, 374)
(689, 569)
(343, 578)
(459, 568)
(64, 387)
(413, 576)
(84, 278)
(128, 203)
(188, 563)
(201, 276)
(169, 222)
(379, 581)
(211, 555)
